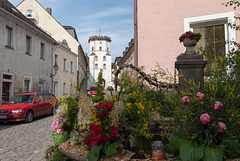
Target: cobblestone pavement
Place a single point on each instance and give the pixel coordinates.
(25, 141)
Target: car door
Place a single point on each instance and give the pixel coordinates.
(47, 103)
(39, 105)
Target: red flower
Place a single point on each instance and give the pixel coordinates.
(103, 138)
(186, 100)
(88, 143)
(113, 136)
(205, 118)
(116, 129)
(108, 106)
(217, 105)
(98, 130)
(96, 141)
(101, 116)
(92, 127)
(89, 135)
(222, 127)
(98, 106)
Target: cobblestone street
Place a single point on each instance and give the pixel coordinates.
(25, 141)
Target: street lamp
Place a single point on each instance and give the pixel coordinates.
(55, 67)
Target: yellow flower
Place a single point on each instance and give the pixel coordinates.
(138, 112)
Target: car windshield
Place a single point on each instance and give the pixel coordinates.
(93, 89)
(21, 99)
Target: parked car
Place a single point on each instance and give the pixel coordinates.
(93, 91)
(27, 106)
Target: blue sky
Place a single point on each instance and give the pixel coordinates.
(114, 18)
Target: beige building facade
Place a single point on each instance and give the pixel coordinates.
(25, 52)
(68, 54)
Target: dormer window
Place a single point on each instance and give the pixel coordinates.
(29, 13)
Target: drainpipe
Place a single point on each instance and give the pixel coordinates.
(135, 33)
(51, 75)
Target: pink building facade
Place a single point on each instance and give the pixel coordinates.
(159, 24)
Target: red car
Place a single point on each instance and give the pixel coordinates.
(27, 106)
(93, 91)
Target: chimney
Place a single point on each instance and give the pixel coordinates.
(49, 10)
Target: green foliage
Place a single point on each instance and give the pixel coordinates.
(100, 95)
(72, 111)
(60, 138)
(52, 153)
(213, 153)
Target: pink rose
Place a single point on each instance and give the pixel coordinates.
(59, 131)
(55, 124)
(205, 118)
(200, 95)
(222, 127)
(186, 100)
(217, 105)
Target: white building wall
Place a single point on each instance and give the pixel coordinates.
(94, 47)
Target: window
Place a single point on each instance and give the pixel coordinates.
(64, 64)
(28, 44)
(96, 66)
(42, 50)
(9, 37)
(71, 65)
(56, 59)
(104, 58)
(215, 32)
(29, 13)
(27, 84)
(107, 48)
(100, 48)
(96, 58)
(41, 85)
(55, 88)
(212, 42)
(92, 48)
(64, 87)
(104, 66)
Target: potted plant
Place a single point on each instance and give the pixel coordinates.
(190, 40)
(204, 130)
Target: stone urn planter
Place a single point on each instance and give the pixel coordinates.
(190, 44)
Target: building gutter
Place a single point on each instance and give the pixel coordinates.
(135, 33)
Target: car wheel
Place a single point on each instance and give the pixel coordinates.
(53, 111)
(29, 117)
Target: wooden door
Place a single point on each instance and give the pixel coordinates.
(5, 92)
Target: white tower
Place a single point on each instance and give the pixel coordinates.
(100, 58)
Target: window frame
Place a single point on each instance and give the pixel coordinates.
(56, 59)
(9, 37)
(104, 58)
(30, 83)
(230, 34)
(104, 66)
(28, 44)
(64, 87)
(64, 64)
(96, 66)
(42, 50)
(71, 66)
(95, 58)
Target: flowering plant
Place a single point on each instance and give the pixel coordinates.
(190, 35)
(204, 129)
(102, 136)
